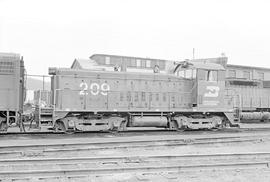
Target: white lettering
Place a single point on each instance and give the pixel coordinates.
(84, 87)
(105, 88)
(95, 89)
(213, 91)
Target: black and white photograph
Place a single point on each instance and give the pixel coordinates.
(134, 91)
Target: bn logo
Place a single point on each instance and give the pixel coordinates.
(212, 91)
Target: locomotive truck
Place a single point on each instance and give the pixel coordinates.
(191, 95)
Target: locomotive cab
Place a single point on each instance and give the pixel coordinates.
(210, 87)
(208, 83)
(208, 101)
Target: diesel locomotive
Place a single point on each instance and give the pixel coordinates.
(190, 95)
(12, 90)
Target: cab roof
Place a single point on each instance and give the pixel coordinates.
(199, 65)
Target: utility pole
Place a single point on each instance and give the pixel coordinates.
(193, 53)
(43, 82)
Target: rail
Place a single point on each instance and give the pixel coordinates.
(57, 160)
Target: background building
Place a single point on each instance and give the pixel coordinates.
(125, 63)
(138, 64)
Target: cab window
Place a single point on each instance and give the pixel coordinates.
(211, 76)
(208, 75)
(181, 73)
(194, 73)
(189, 73)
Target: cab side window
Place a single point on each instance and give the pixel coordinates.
(194, 73)
(189, 73)
(181, 73)
(211, 76)
(208, 75)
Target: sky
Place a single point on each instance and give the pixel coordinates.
(52, 33)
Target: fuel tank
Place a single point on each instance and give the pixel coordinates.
(150, 121)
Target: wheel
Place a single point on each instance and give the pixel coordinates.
(173, 125)
(3, 127)
(59, 126)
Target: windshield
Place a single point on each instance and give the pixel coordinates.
(211, 76)
(188, 73)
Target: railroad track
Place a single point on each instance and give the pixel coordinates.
(103, 156)
(194, 135)
(46, 149)
(84, 166)
(143, 130)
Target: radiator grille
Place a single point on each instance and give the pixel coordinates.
(8, 63)
(6, 67)
(266, 84)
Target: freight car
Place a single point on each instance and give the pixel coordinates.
(192, 95)
(254, 98)
(250, 91)
(12, 90)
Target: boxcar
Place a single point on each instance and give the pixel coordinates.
(12, 92)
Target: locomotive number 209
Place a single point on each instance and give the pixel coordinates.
(94, 88)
